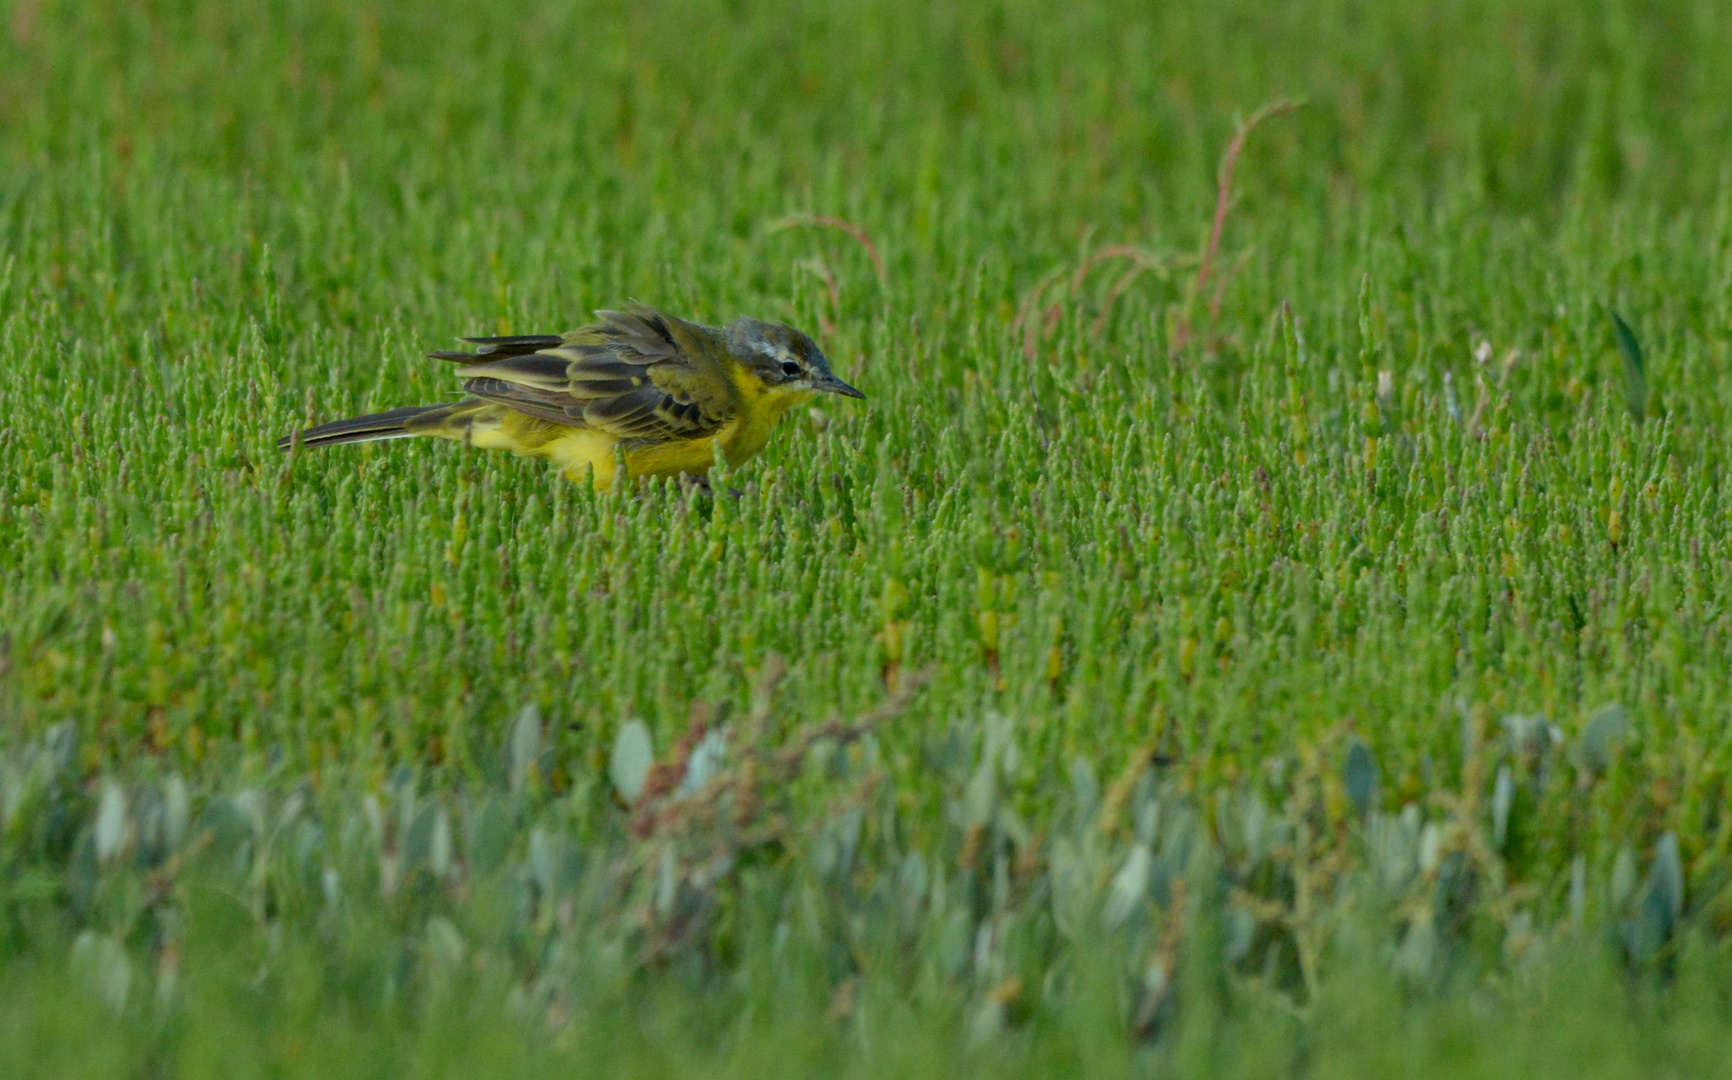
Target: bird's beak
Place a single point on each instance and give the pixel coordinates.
(833, 385)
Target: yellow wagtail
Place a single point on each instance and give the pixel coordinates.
(665, 392)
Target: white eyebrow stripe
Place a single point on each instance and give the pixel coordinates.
(778, 353)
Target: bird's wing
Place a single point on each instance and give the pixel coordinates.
(635, 374)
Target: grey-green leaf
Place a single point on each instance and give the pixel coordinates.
(101, 961)
(1601, 737)
(667, 881)
(987, 1022)
(177, 810)
(442, 852)
(1502, 795)
(632, 757)
(543, 861)
(1084, 786)
(705, 761)
(1666, 876)
(444, 942)
(1239, 929)
(1635, 371)
(911, 881)
(1130, 885)
(110, 822)
(489, 836)
(1359, 774)
(981, 795)
(1623, 876)
(525, 744)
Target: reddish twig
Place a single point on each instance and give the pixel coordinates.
(1025, 324)
(818, 266)
(1223, 205)
(1113, 294)
(1143, 262)
(1116, 251)
(663, 807)
(794, 221)
(1031, 330)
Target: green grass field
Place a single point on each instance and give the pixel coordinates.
(1304, 658)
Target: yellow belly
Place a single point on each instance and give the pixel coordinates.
(583, 453)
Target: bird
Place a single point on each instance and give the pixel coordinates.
(659, 393)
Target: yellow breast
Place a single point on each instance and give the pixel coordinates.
(760, 408)
(579, 452)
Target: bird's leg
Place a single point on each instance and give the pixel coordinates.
(702, 483)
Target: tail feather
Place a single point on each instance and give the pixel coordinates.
(394, 424)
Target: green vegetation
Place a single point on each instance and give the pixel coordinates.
(1311, 663)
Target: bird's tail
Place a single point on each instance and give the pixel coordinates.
(449, 419)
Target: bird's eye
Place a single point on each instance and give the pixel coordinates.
(790, 369)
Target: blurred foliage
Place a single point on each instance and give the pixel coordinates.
(783, 886)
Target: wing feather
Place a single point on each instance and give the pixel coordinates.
(642, 335)
(537, 371)
(649, 413)
(633, 374)
(539, 404)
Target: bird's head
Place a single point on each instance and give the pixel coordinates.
(783, 359)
